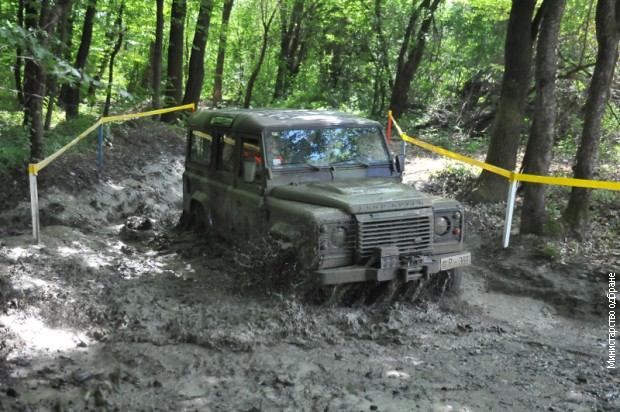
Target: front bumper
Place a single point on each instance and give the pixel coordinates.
(386, 263)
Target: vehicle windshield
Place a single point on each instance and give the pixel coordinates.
(318, 148)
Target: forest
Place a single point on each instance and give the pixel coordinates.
(119, 308)
(517, 82)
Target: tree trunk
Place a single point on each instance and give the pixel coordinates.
(255, 72)
(509, 116)
(266, 25)
(17, 69)
(410, 55)
(38, 19)
(293, 48)
(34, 80)
(607, 35)
(52, 88)
(158, 55)
(68, 52)
(221, 53)
(539, 150)
(117, 47)
(383, 63)
(92, 88)
(52, 81)
(193, 88)
(174, 83)
(72, 93)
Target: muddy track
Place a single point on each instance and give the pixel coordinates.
(120, 310)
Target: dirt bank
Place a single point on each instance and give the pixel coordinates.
(117, 310)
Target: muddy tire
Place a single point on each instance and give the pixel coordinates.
(448, 282)
(197, 220)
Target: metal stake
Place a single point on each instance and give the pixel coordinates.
(512, 193)
(34, 206)
(100, 154)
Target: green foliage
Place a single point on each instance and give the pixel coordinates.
(469, 37)
(547, 252)
(15, 146)
(453, 181)
(350, 63)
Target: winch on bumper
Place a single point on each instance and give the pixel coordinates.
(386, 263)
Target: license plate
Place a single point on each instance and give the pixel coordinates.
(455, 261)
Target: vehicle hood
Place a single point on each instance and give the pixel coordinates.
(355, 196)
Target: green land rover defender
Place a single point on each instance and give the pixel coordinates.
(324, 183)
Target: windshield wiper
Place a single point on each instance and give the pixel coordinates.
(313, 166)
(356, 161)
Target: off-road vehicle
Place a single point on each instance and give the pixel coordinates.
(324, 183)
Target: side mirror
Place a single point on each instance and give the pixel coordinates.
(400, 163)
(249, 171)
(397, 163)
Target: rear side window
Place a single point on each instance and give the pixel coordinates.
(201, 147)
(227, 150)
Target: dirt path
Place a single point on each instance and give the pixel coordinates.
(116, 310)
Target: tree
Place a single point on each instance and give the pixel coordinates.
(118, 24)
(65, 28)
(266, 23)
(174, 83)
(196, 75)
(41, 21)
(382, 62)
(607, 35)
(71, 95)
(109, 41)
(410, 54)
(156, 64)
(17, 69)
(506, 131)
(293, 42)
(540, 145)
(221, 53)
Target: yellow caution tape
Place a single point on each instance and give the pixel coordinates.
(511, 176)
(566, 181)
(203, 135)
(251, 147)
(145, 114)
(227, 140)
(35, 168)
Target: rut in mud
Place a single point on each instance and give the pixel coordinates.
(118, 309)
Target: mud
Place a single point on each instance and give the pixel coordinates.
(117, 309)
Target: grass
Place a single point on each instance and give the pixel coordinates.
(15, 142)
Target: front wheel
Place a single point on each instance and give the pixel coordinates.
(448, 282)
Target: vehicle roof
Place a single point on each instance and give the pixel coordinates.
(257, 120)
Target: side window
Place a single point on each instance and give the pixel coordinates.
(227, 150)
(251, 149)
(251, 158)
(201, 147)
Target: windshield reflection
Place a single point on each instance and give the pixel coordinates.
(324, 147)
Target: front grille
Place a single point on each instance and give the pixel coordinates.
(410, 230)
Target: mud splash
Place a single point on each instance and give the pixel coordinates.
(118, 310)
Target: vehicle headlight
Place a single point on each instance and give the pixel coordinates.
(339, 236)
(442, 225)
